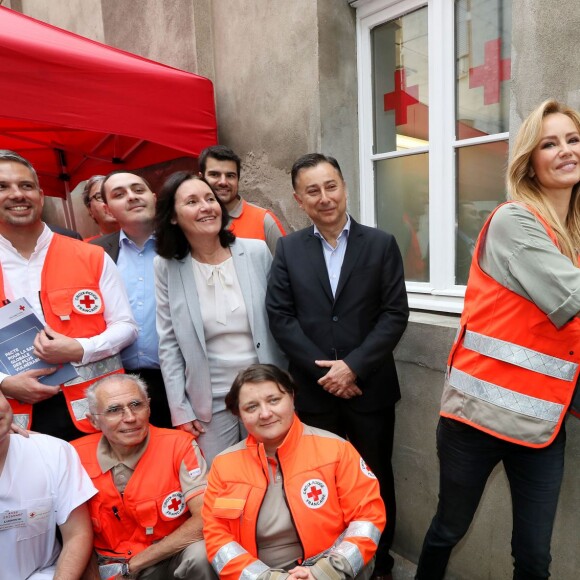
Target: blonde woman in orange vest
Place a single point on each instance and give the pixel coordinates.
(513, 368)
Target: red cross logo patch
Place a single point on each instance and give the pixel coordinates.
(87, 302)
(173, 505)
(314, 493)
(366, 469)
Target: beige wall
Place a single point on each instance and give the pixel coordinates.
(545, 61)
(285, 79)
(284, 75)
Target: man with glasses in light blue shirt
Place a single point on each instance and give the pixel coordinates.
(131, 202)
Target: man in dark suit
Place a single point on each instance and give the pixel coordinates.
(129, 199)
(337, 307)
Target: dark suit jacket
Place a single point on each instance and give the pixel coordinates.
(361, 326)
(111, 244)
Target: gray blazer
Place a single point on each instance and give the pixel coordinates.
(182, 349)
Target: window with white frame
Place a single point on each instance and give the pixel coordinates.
(434, 84)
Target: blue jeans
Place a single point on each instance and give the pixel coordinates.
(467, 457)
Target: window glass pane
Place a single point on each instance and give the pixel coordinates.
(402, 201)
(480, 188)
(483, 66)
(400, 83)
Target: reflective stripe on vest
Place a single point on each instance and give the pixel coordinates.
(356, 529)
(254, 570)
(505, 398)
(22, 420)
(225, 555)
(74, 391)
(352, 554)
(89, 372)
(363, 530)
(96, 369)
(520, 356)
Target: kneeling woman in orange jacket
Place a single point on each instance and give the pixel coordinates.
(290, 501)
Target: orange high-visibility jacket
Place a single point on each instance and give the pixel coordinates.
(250, 223)
(332, 496)
(73, 305)
(152, 505)
(511, 372)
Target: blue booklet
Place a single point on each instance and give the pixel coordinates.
(19, 326)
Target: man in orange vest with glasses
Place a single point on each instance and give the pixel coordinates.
(147, 514)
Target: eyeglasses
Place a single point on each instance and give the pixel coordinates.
(96, 197)
(118, 411)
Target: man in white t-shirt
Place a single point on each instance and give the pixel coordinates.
(42, 485)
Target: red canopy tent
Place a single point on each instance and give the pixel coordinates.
(75, 107)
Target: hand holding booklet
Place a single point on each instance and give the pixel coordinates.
(19, 326)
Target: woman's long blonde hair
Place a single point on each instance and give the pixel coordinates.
(521, 186)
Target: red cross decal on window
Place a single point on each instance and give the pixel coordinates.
(174, 504)
(491, 73)
(401, 98)
(87, 301)
(314, 492)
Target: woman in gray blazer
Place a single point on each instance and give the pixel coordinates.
(211, 318)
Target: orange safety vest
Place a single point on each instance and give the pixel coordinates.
(332, 496)
(72, 305)
(152, 505)
(250, 223)
(511, 372)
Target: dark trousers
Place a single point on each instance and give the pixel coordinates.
(467, 457)
(160, 414)
(372, 436)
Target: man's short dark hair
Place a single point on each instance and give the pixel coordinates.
(312, 160)
(221, 153)
(13, 157)
(116, 172)
(258, 373)
(169, 237)
(89, 185)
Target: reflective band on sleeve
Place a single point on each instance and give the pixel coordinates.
(21, 419)
(96, 369)
(351, 552)
(504, 398)
(313, 559)
(225, 554)
(363, 530)
(252, 571)
(520, 356)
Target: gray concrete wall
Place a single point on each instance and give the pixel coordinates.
(284, 75)
(484, 553)
(285, 78)
(545, 61)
